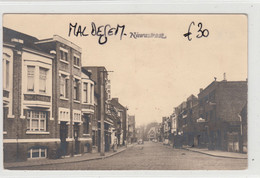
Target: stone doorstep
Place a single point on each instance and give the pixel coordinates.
(59, 161)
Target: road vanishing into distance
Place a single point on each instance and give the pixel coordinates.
(151, 156)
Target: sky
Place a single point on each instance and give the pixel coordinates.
(151, 76)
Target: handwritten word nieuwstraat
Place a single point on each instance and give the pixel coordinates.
(136, 35)
(102, 32)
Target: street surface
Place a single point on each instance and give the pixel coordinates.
(152, 156)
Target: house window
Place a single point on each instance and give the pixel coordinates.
(85, 92)
(76, 61)
(43, 79)
(36, 120)
(63, 55)
(7, 74)
(86, 124)
(64, 86)
(91, 95)
(77, 117)
(37, 153)
(76, 89)
(30, 78)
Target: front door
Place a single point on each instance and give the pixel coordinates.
(76, 137)
(63, 136)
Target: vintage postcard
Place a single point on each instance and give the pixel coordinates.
(125, 91)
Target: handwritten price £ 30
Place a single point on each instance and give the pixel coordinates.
(201, 32)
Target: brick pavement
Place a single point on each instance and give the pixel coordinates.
(76, 158)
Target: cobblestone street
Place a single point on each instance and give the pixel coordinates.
(152, 156)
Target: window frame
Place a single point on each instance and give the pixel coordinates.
(64, 55)
(30, 127)
(76, 89)
(32, 76)
(85, 96)
(45, 83)
(65, 86)
(30, 151)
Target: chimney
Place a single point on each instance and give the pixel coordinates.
(201, 89)
(224, 77)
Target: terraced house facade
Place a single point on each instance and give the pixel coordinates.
(48, 99)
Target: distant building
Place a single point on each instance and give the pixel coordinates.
(152, 134)
(131, 129)
(122, 114)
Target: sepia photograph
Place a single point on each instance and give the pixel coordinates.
(125, 91)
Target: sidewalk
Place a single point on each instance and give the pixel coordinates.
(76, 158)
(217, 153)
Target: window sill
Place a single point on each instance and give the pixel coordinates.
(86, 135)
(76, 101)
(31, 159)
(34, 93)
(4, 132)
(76, 66)
(37, 133)
(66, 62)
(7, 89)
(88, 103)
(10, 116)
(63, 98)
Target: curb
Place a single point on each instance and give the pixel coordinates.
(72, 161)
(213, 154)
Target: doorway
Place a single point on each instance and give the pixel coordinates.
(76, 138)
(63, 136)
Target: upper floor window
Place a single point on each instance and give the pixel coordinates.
(36, 120)
(64, 84)
(37, 79)
(76, 89)
(30, 78)
(91, 93)
(85, 92)
(76, 61)
(7, 71)
(63, 55)
(42, 80)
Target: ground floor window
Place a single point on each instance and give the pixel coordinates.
(37, 153)
(36, 120)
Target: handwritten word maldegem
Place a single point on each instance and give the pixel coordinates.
(136, 35)
(102, 31)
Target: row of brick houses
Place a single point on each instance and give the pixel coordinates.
(216, 118)
(52, 106)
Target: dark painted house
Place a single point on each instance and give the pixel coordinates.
(99, 75)
(220, 104)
